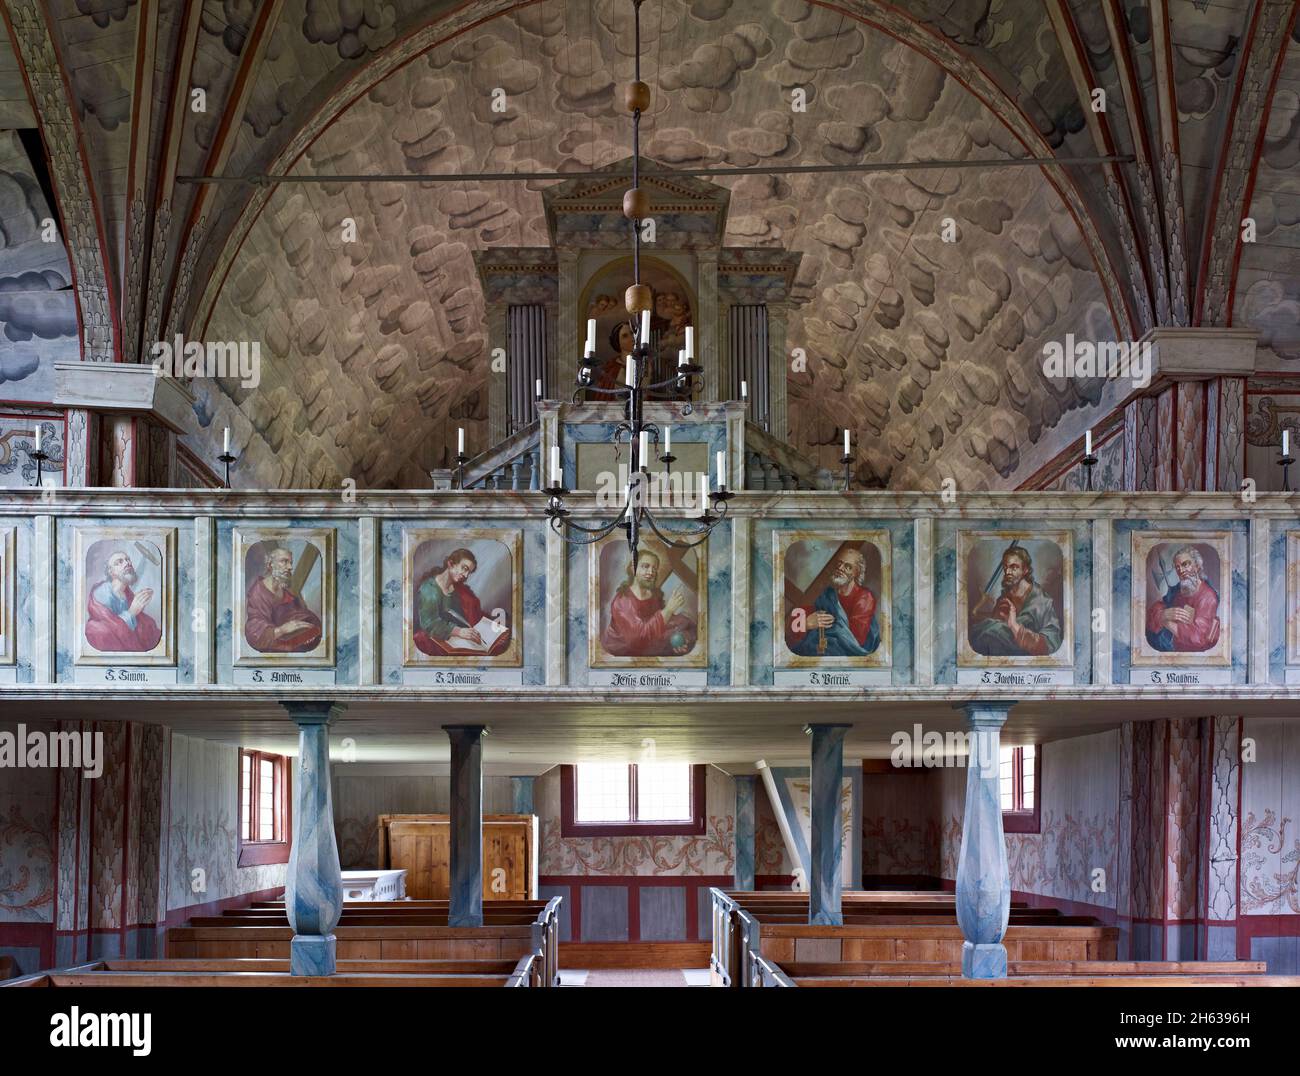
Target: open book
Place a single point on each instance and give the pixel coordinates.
(489, 630)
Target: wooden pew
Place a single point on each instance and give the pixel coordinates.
(744, 928)
(917, 968)
(525, 972)
(386, 934)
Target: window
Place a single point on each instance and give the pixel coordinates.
(1019, 782)
(264, 819)
(611, 799)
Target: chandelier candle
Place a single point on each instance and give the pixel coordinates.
(591, 336)
(645, 450)
(631, 371)
(668, 441)
(555, 466)
(690, 343)
(722, 470)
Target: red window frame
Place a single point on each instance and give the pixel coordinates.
(571, 827)
(259, 853)
(1021, 819)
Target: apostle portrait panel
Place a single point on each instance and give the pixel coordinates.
(1015, 598)
(832, 593)
(651, 613)
(125, 587)
(283, 602)
(463, 597)
(1181, 598)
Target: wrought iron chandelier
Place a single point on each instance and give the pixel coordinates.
(638, 300)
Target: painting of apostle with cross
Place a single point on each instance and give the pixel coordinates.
(650, 613)
(832, 594)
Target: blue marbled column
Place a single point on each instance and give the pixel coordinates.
(983, 882)
(521, 794)
(314, 889)
(746, 828)
(827, 850)
(466, 825)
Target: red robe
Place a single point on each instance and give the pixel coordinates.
(264, 612)
(637, 627)
(108, 633)
(1202, 633)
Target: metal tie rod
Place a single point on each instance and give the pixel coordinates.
(262, 179)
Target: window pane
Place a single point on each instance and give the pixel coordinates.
(602, 792)
(246, 797)
(663, 792)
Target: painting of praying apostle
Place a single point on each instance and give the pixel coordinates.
(125, 587)
(8, 596)
(283, 607)
(1293, 597)
(463, 596)
(833, 594)
(1182, 593)
(651, 614)
(1015, 598)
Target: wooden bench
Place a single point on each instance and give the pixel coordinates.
(397, 935)
(768, 973)
(744, 928)
(525, 972)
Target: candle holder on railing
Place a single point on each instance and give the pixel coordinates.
(227, 459)
(1089, 462)
(461, 460)
(38, 455)
(847, 461)
(1285, 461)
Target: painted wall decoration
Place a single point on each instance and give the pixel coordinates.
(653, 614)
(1181, 601)
(1293, 597)
(462, 596)
(832, 593)
(674, 309)
(8, 595)
(283, 603)
(126, 593)
(1015, 598)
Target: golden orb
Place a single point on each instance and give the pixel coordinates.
(638, 297)
(636, 95)
(636, 204)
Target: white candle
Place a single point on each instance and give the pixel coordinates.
(668, 441)
(645, 327)
(1087, 442)
(744, 390)
(1286, 442)
(225, 442)
(555, 466)
(704, 492)
(631, 370)
(460, 441)
(539, 388)
(681, 357)
(690, 343)
(591, 336)
(722, 470)
(38, 437)
(846, 442)
(645, 449)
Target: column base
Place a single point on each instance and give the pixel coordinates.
(983, 961)
(310, 954)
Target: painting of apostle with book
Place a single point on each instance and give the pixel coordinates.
(462, 601)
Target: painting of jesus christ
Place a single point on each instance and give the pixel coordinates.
(650, 612)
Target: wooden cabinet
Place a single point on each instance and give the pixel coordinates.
(421, 845)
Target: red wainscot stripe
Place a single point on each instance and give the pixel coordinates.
(694, 884)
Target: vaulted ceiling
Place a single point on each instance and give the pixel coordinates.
(374, 350)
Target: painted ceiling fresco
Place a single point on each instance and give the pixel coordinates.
(374, 349)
